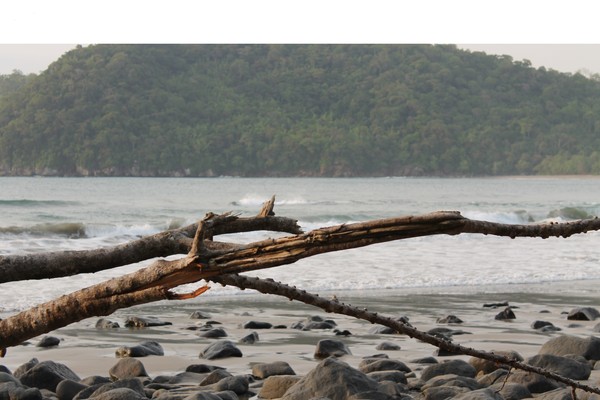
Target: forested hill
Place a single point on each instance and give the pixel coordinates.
(296, 110)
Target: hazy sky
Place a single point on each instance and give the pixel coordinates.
(566, 35)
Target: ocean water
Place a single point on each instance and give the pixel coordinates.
(54, 214)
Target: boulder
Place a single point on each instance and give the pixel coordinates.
(330, 347)
(393, 376)
(143, 322)
(485, 366)
(250, 338)
(127, 368)
(67, 389)
(120, 394)
(583, 314)
(21, 369)
(456, 367)
(332, 379)
(132, 384)
(221, 349)
(453, 380)
(589, 348)
(369, 365)
(382, 330)
(506, 314)
(48, 341)
(449, 319)
(213, 333)
(104, 323)
(265, 370)
(16, 391)
(257, 325)
(201, 368)
(564, 366)
(443, 392)
(387, 346)
(47, 375)
(199, 315)
(511, 390)
(214, 377)
(237, 384)
(479, 394)
(275, 386)
(535, 383)
(144, 349)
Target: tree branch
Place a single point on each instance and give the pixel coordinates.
(271, 287)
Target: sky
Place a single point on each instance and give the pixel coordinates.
(35, 33)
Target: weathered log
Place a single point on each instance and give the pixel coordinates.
(208, 260)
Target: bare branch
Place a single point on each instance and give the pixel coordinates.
(277, 288)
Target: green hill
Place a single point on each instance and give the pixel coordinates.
(297, 110)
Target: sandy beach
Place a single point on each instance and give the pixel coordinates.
(88, 350)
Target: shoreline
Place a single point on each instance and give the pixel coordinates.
(91, 351)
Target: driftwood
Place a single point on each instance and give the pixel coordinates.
(205, 259)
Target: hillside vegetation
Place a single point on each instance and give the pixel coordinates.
(296, 110)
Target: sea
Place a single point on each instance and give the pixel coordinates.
(43, 214)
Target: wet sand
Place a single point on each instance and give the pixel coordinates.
(91, 351)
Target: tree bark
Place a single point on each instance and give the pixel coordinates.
(207, 260)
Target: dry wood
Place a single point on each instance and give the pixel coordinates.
(292, 293)
(207, 259)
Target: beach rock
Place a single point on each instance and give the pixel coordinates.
(333, 379)
(562, 365)
(393, 390)
(393, 376)
(143, 322)
(496, 305)
(319, 325)
(94, 380)
(446, 333)
(589, 348)
(201, 368)
(21, 369)
(453, 380)
(330, 347)
(382, 330)
(184, 378)
(4, 368)
(492, 377)
(120, 394)
(250, 338)
(424, 360)
(369, 365)
(48, 341)
(67, 389)
(345, 332)
(511, 390)
(144, 349)
(220, 349)
(537, 324)
(479, 394)
(443, 392)
(456, 367)
(214, 377)
(257, 325)
(213, 333)
(237, 384)
(6, 377)
(485, 366)
(387, 346)
(199, 315)
(132, 384)
(533, 382)
(127, 368)
(506, 314)
(47, 375)
(450, 319)
(265, 370)
(104, 323)
(275, 386)
(16, 391)
(583, 314)
(371, 395)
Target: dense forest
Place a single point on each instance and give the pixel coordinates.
(296, 110)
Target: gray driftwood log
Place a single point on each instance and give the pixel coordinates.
(209, 260)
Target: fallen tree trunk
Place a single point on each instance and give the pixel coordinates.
(207, 259)
(220, 262)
